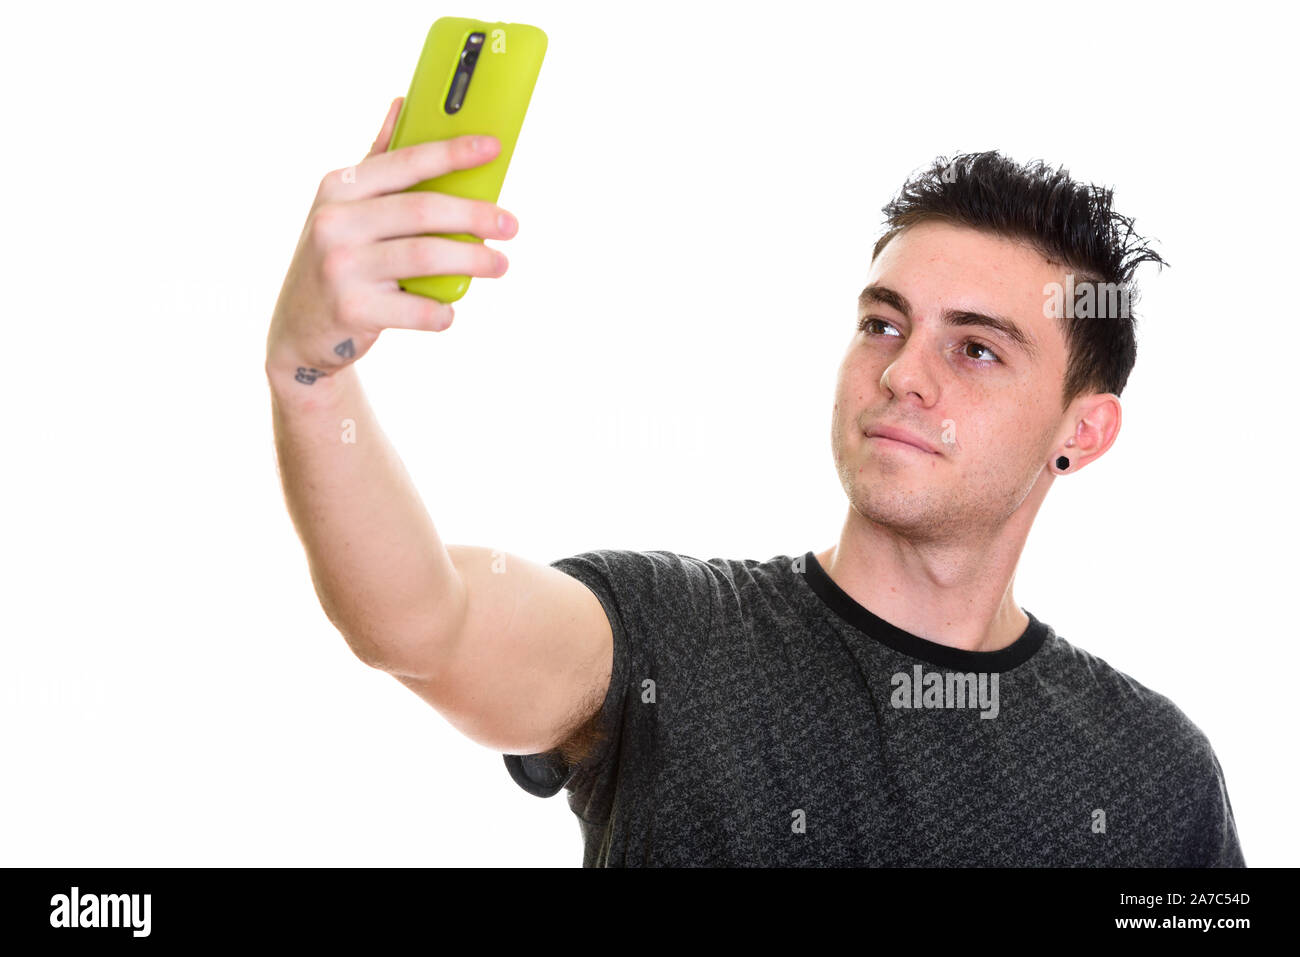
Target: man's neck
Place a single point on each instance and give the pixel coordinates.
(954, 594)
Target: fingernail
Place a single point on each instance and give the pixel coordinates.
(506, 223)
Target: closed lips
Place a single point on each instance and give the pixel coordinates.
(901, 435)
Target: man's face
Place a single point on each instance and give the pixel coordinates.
(987, 405)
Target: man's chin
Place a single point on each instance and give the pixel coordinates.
(902, 513)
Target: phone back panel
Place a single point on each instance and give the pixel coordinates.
(495, 103)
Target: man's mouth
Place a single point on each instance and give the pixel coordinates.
(888, 435)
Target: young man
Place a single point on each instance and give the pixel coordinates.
(884, 701)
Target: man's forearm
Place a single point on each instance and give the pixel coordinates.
(381, 572)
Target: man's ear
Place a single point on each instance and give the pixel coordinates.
(1093, 423)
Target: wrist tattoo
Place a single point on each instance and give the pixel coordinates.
(345, 349)
(307, 376)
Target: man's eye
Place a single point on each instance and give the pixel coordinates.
(865, 325)
(869, 326)
(980, 345)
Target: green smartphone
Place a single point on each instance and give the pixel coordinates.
(473, 77)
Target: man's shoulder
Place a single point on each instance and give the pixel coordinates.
(684, 611)
(1115, 699)
(649, 569)
(1143, 747)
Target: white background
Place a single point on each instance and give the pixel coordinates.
(699, 187)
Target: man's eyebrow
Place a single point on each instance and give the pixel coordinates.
(953, 317)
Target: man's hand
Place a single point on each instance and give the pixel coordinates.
(364, 233)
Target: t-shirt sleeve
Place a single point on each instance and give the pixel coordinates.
(1215, 831)
(656, 605)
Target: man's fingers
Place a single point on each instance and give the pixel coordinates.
(427, 256)
(400, 309)
(402, 168)
(381, 142)
(421, 211)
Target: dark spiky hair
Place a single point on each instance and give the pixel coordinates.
(1068, 222)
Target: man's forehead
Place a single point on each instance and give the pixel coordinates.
(952, 249)
(938, 264)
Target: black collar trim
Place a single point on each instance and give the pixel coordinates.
(840, 602)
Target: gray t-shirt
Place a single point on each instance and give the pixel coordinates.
(759, 716)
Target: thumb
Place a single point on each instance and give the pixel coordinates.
(386, 131)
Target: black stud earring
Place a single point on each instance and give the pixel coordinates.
(1062, 462)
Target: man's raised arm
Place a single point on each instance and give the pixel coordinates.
(514, 654)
